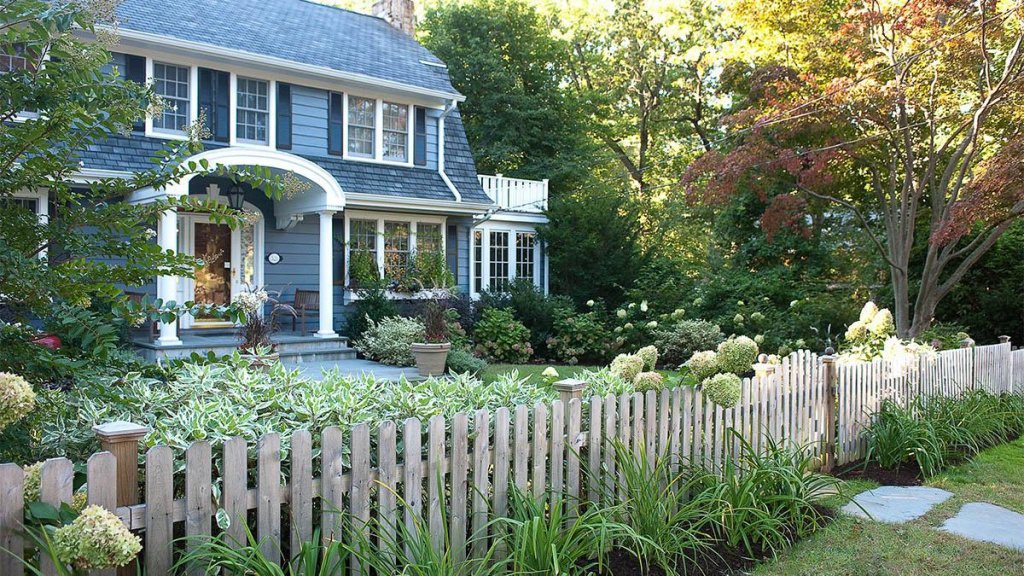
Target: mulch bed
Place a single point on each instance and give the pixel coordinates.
(908, 475)
(719, 561)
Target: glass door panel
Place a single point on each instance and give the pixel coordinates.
(213, 276)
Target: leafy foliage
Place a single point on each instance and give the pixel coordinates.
(461, 361)
(389, 341)
(679, 341)
(373, 305)
(578, 337)
(502, 338)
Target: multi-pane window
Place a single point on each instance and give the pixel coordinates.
(524, 255)
(478, 261)
(362, 118)
(396, 131)
(14, 57)
(171, 84)
(363, 236)
(252, 110)
(396, 248)
(499, 261)
(30, 204)
(428, 237)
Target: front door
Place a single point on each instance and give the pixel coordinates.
(228, 259)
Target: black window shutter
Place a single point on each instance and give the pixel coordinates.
(135, 71)
(284, 116)
(334, 124)
(420, 138)
(214, 99)
(452, 249)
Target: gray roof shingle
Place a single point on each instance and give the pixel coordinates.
(296, 30)
(134, 153)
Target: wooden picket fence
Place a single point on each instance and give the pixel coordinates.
(402, 472)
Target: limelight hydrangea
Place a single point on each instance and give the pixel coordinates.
(757, 317)
(737, 355)
(649, 354)
(643, 306)
(857, 331)
(627, 366)
(590, 303)
(759, 339)
(621, 313)
(627, 326)
(96, 540)
(16, 399)
(33, 481)
(738, 319)
(882, 324)
(645, 381)
(550, 373)
(867, 313)
(703, 364)
(251, 301)
(652, 324)
(722, 389)
(698, 301)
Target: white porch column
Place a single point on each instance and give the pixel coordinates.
(326, 275)
(167, 286)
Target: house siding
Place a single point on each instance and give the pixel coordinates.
(432, 139)
(465, 227)
(309, 121)
(299, 267)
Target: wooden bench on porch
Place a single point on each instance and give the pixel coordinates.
(304, 300)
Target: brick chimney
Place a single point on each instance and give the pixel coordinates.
(399, 13)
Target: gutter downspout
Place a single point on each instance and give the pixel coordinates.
(449, 107)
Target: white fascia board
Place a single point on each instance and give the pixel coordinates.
(88, 175)
(518, 217)
(426, 205)
(282, 63)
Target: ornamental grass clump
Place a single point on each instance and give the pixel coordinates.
(722, 389)
(649, 354)
(16, 399)
(627, 366)
(737, 355)
(96, 540)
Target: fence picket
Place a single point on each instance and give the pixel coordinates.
(412, 480)
(360, 491)
(459, 485)
(234, 491)
(594, 450)
(56, 481)
(159, 553)
(12, 511)
(556, 480)
(387, 490)
(435, 481)
(481, 487)
(522, 448)
(198, 494)
(331, 501)
(575, 453)
(540, 449)
(301, 486)
(268, 490)
(101, 479)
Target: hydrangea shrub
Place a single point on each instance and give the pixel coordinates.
(703, 364)
(737, 355)
(627, 366)
(96, 540)
(578, 337)
(722, 389)
(502, 338)
(16, 399)
(645, 381)
(649, 354)
(390, 340)
(680, 340)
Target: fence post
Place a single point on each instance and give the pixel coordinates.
(829, 453)
(1004, 339)
(967, 343)
(122, 440)
(763, 369)
(570, 388)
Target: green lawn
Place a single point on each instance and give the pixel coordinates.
(532, 371)
(852, 546)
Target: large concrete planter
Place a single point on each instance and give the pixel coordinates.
(431, 358)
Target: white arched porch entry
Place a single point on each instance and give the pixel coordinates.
(323, 197)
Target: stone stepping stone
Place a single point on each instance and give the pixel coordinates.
(896, 504)
(988, 523)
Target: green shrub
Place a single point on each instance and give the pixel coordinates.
(603, 382)
(537, 311)
(461, 361)
(578, 338)
(627, 366)
(681, 340)
(362, 269)
(389, 340)
(373, 305)
(703, 365)
(737, 355)
(722, 389)
(501, 338)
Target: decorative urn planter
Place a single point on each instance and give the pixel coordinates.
(431, 358)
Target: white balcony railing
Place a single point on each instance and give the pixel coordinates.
(516, 194)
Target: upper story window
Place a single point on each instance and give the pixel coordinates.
(396, 131)
(15, 57)
(362, 116)
(252, 110)
(170, 83)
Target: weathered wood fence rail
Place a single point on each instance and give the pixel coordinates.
(546, 447)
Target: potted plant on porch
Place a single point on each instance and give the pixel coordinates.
(432, 354)
(258, 325)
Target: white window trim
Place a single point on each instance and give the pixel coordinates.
(193, 96)
(485, 269)
(380, 217)
(378, 157)
(42, 198)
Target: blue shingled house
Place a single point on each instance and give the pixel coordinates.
(351, 105)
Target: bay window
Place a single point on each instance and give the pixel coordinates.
(171, 84)
(252, 110)
(500, 256)
(384, 245)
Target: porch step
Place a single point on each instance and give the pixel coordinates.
(293, 349)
